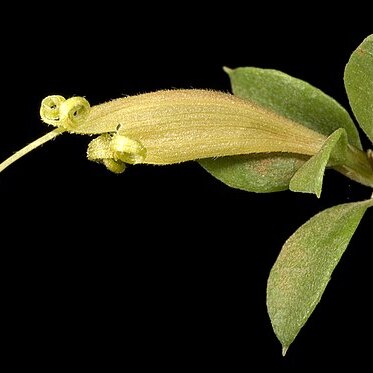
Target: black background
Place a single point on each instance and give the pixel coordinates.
(161, 267)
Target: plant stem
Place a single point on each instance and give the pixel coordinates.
(357, 166)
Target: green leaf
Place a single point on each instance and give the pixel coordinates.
(358, 79)
(309, 177)
(261, 173)
(304, 267)
(292, 98)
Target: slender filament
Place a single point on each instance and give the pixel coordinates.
(28, 148)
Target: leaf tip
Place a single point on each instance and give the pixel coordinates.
(284, 350)
(227, 70)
